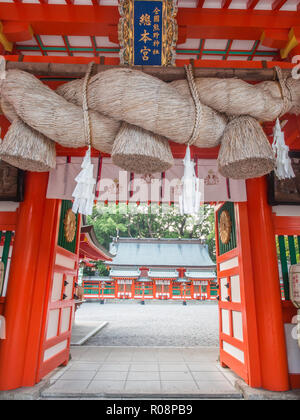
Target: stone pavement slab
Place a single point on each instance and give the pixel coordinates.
(92, 375)
(136, 372)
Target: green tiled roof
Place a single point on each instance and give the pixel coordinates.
(160, 253)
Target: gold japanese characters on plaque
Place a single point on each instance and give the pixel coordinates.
(225, 227)
(70, 226)
(147, 32)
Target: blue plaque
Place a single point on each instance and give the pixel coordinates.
(147, 32)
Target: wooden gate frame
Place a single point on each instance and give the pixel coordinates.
(250, 369)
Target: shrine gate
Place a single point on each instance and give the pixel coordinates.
(39, 268)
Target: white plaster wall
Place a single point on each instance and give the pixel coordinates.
(286, 210)
(8, 206)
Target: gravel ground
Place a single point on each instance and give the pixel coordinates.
(153, 324)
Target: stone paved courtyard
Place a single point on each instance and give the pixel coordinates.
(156, 323)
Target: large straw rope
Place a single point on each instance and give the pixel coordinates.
(182, 111)
(50, 114)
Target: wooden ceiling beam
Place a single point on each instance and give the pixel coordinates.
(52, 19)
(76, 70)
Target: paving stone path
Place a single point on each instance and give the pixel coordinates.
(142, 372)
(153, 324)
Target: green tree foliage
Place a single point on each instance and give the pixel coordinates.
(152, 222)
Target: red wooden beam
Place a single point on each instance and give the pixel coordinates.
(251, 4)
(52, 19)
(67, 19)
(225, 4)
(200, 3)
(17, 31)
(277, 4)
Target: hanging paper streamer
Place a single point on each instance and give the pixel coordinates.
(283, 167)
(189, 200)
(84, 190)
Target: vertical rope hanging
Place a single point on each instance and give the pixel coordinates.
(189, 200)
(84, 191)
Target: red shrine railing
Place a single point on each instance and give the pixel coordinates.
(101, 288)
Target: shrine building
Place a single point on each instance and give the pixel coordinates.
(178, 269)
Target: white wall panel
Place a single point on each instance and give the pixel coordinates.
(225, 321)
(65, 320)
(223, 288)
(56, 287)
(234, 352)
(64, 261)
(226, 265)
(53, 351)
(237, 323)
(52, 328)
(235, 289)
(69, 287)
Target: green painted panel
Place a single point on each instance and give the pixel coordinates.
(292, 248)
(284, 266)
(5, 253)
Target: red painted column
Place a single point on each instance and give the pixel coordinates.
(272, 348)
(20, 291)
(42, 289)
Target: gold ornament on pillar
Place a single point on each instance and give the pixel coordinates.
(225, 227)
(70, 226)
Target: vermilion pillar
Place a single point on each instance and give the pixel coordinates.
(272, 348)
(22, 311)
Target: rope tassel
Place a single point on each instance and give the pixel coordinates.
(283, 169)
